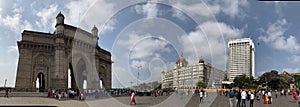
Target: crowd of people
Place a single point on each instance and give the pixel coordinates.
(73, 94)
(265, 96)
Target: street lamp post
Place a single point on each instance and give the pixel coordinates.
(5, 83)
(137, 81)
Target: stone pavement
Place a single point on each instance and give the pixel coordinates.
(175, 100)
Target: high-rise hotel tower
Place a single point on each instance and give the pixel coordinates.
(241, 57)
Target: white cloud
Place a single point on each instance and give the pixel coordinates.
(232, 8)
(274, 36)
(47, 16)
(15, 23)
(199, 9)
(12, 49)
(149, 10)
(87, 13)
(209, 41)
(109, 26)
(17, 8)
(294, 58)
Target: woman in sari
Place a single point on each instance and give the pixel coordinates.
(132, 99)
(265, 98)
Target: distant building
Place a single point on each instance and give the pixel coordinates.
(187, 77)
(286, 74)
(241, 58)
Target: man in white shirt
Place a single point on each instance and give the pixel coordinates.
(270, 97)
(201, 95)
(244, 95)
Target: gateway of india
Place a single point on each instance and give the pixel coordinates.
(48, 60)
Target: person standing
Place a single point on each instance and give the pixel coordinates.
(269, 97)
(258, 95)
(196, 92)
(294, 95)
(132, 99)
(276, 92)
(231, 97)
(251, 99)
(6, 92)
(265, 98)
(244, 96)
(238, 98)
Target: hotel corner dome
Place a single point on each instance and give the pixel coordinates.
(181, 59)
(201, 60)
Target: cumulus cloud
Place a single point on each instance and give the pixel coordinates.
(87, 13)
(232, 8)
(209, 41)
(109, 26)
(149, 10)
(274, 36)
(16, 23)
(47, 16)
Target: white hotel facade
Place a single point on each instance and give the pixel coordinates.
(241, 57)
(186, 77)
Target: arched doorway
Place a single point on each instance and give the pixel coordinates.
(71, 78)
(81, 74)
(40, 82)
(101, 83)
(101, 77)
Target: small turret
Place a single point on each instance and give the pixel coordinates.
(95, 31)
(59, 23)
(60, 19)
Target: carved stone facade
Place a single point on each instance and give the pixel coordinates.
(47, 57)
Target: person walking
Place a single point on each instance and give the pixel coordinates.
(231, 97)
(244, 96)
(294, 95)
(201, 95)
(251, 99)
(132, 99)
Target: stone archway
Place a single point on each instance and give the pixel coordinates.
(102, 77)
(52, 53)
(40, 79)
(71, 78)
(81, 73)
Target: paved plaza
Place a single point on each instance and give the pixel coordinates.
(174, 100)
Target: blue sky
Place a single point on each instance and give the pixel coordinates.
(154, 35)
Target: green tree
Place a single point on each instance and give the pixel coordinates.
(297, 80)
(201, 84)
(243, 81)
(275, 81)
